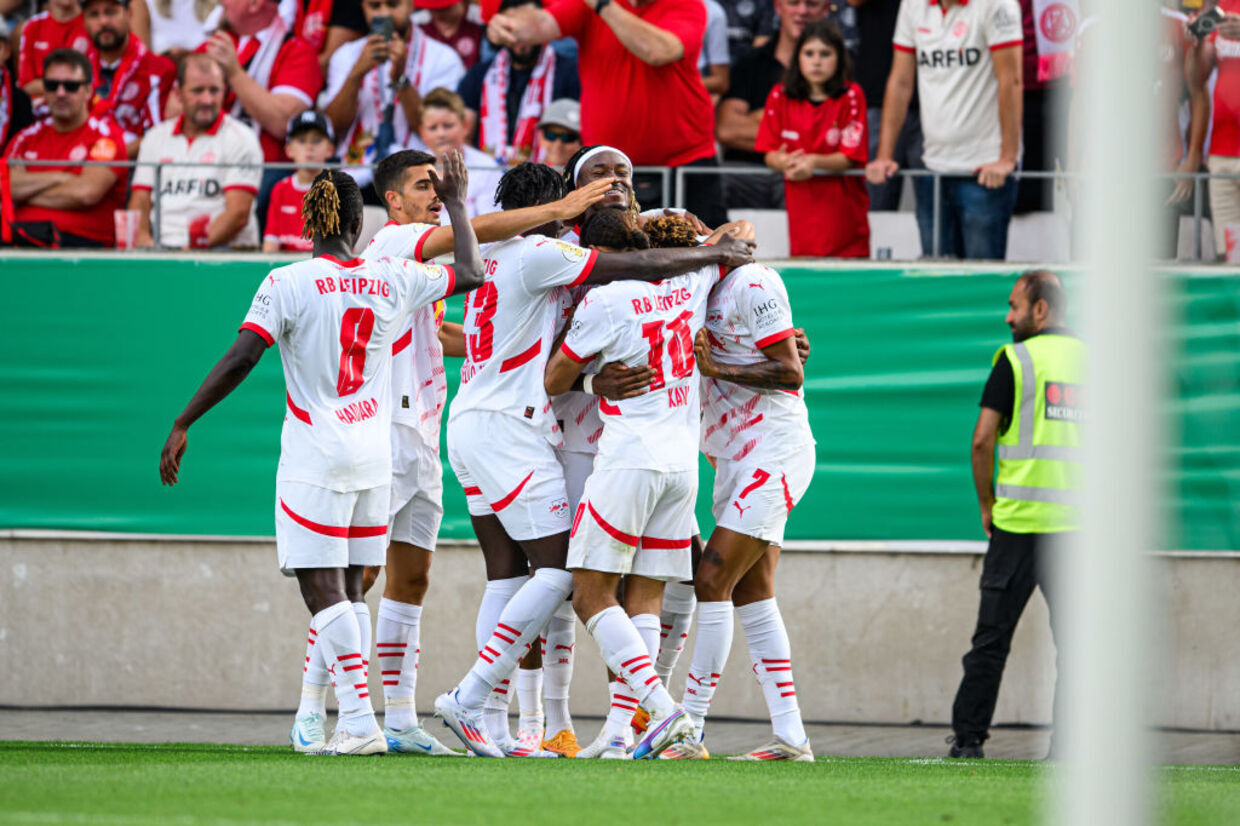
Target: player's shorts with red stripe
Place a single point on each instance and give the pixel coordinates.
(635, 521)
(510, 469)
(416, 509)
(321, 528)
(755, 496)
(577, 469)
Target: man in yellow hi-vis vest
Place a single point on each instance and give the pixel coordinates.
(1031, 413)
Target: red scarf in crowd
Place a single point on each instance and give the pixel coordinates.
(131, 61)
(493, 119)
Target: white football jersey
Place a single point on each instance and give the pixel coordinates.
(419, 383)
(510, 323)
(576, 412)
(749, 310)
(336, 322)
(637, 323)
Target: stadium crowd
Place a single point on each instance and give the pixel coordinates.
(782, 94)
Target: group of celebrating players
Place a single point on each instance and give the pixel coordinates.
(593, 373)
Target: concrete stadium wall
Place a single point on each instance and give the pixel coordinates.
(877, 636)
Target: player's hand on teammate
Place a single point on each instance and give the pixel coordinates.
(572, 205)
(737, 252)
(618, 381)
(454, 183)
(802, 341)
(170, 458)
(701, 351)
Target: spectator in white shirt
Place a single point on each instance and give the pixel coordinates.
(443, 129)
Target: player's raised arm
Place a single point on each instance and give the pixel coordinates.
(655, 265)
(509, 223)
(452, 189)
(229, 372)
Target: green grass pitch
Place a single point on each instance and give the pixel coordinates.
(185, 785)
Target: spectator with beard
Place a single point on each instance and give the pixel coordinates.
(131, 82)
(15, 111)
(375, 85)
(67, 205)
(740, 111)
(509, 93)
(199, 206)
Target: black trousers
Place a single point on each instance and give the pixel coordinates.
(1015, 563)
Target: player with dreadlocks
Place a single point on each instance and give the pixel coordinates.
(336, 318)
(517, 498)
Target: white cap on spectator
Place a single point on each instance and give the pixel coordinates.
(564, 112)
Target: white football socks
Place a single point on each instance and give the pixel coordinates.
(495, 711)
(710, 653)
(558, 667)
(529, 696)
(340, 638)
(674, 623)
(519, 625)
(772, 664)
(626, 655)
(623, 707)
(362, 612)
(494, 599)
(396, 644)
(314, 679)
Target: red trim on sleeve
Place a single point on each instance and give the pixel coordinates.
(507, 500)
(297, 412)
(451, 281)
(417, 247)
(655, 544)
(774, 337)
(528, 355)
(473, 490)
(331, 530)
(612, 530)
(900, 48)
(253, 190)
(401, 343)
(254, 328)
(568, 351)
(586, 270)
(1007, 45)
(143, 187)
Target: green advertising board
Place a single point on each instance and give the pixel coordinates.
(103, 352)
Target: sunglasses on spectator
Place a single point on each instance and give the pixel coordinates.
(552, 135)
(69, 86)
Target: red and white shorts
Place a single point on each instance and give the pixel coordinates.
(507, 468)
(577, 469)
(636, 521)
(416, 509)
(755, 496)
(321, 528)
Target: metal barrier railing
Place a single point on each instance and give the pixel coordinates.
(673, 183)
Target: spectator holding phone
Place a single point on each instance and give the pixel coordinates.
(375, 85)
(67, 205)
(310, 141)
(815, 120)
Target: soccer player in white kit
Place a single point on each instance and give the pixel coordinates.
(518, 492)
(419, 391)
(636, 514)
(755, 429)
(336, 319)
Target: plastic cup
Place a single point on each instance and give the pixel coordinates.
(1231, 237)
(126, 225)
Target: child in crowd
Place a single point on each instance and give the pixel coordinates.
(443, 129)
(310, 141)
(816, 119)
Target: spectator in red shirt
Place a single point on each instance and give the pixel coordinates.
(15, 112)
(273, 75)
(1221, 50)
(60, 27)
(310, 141)
(816, 120)
(449, 26)
(67, 205)
(131, 82)
(640, 85)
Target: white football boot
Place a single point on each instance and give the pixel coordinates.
(307, 735)
(779, 750)
(605, 747)
(467, 725)
(343, 743)
(416, 740)
(662, 732)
